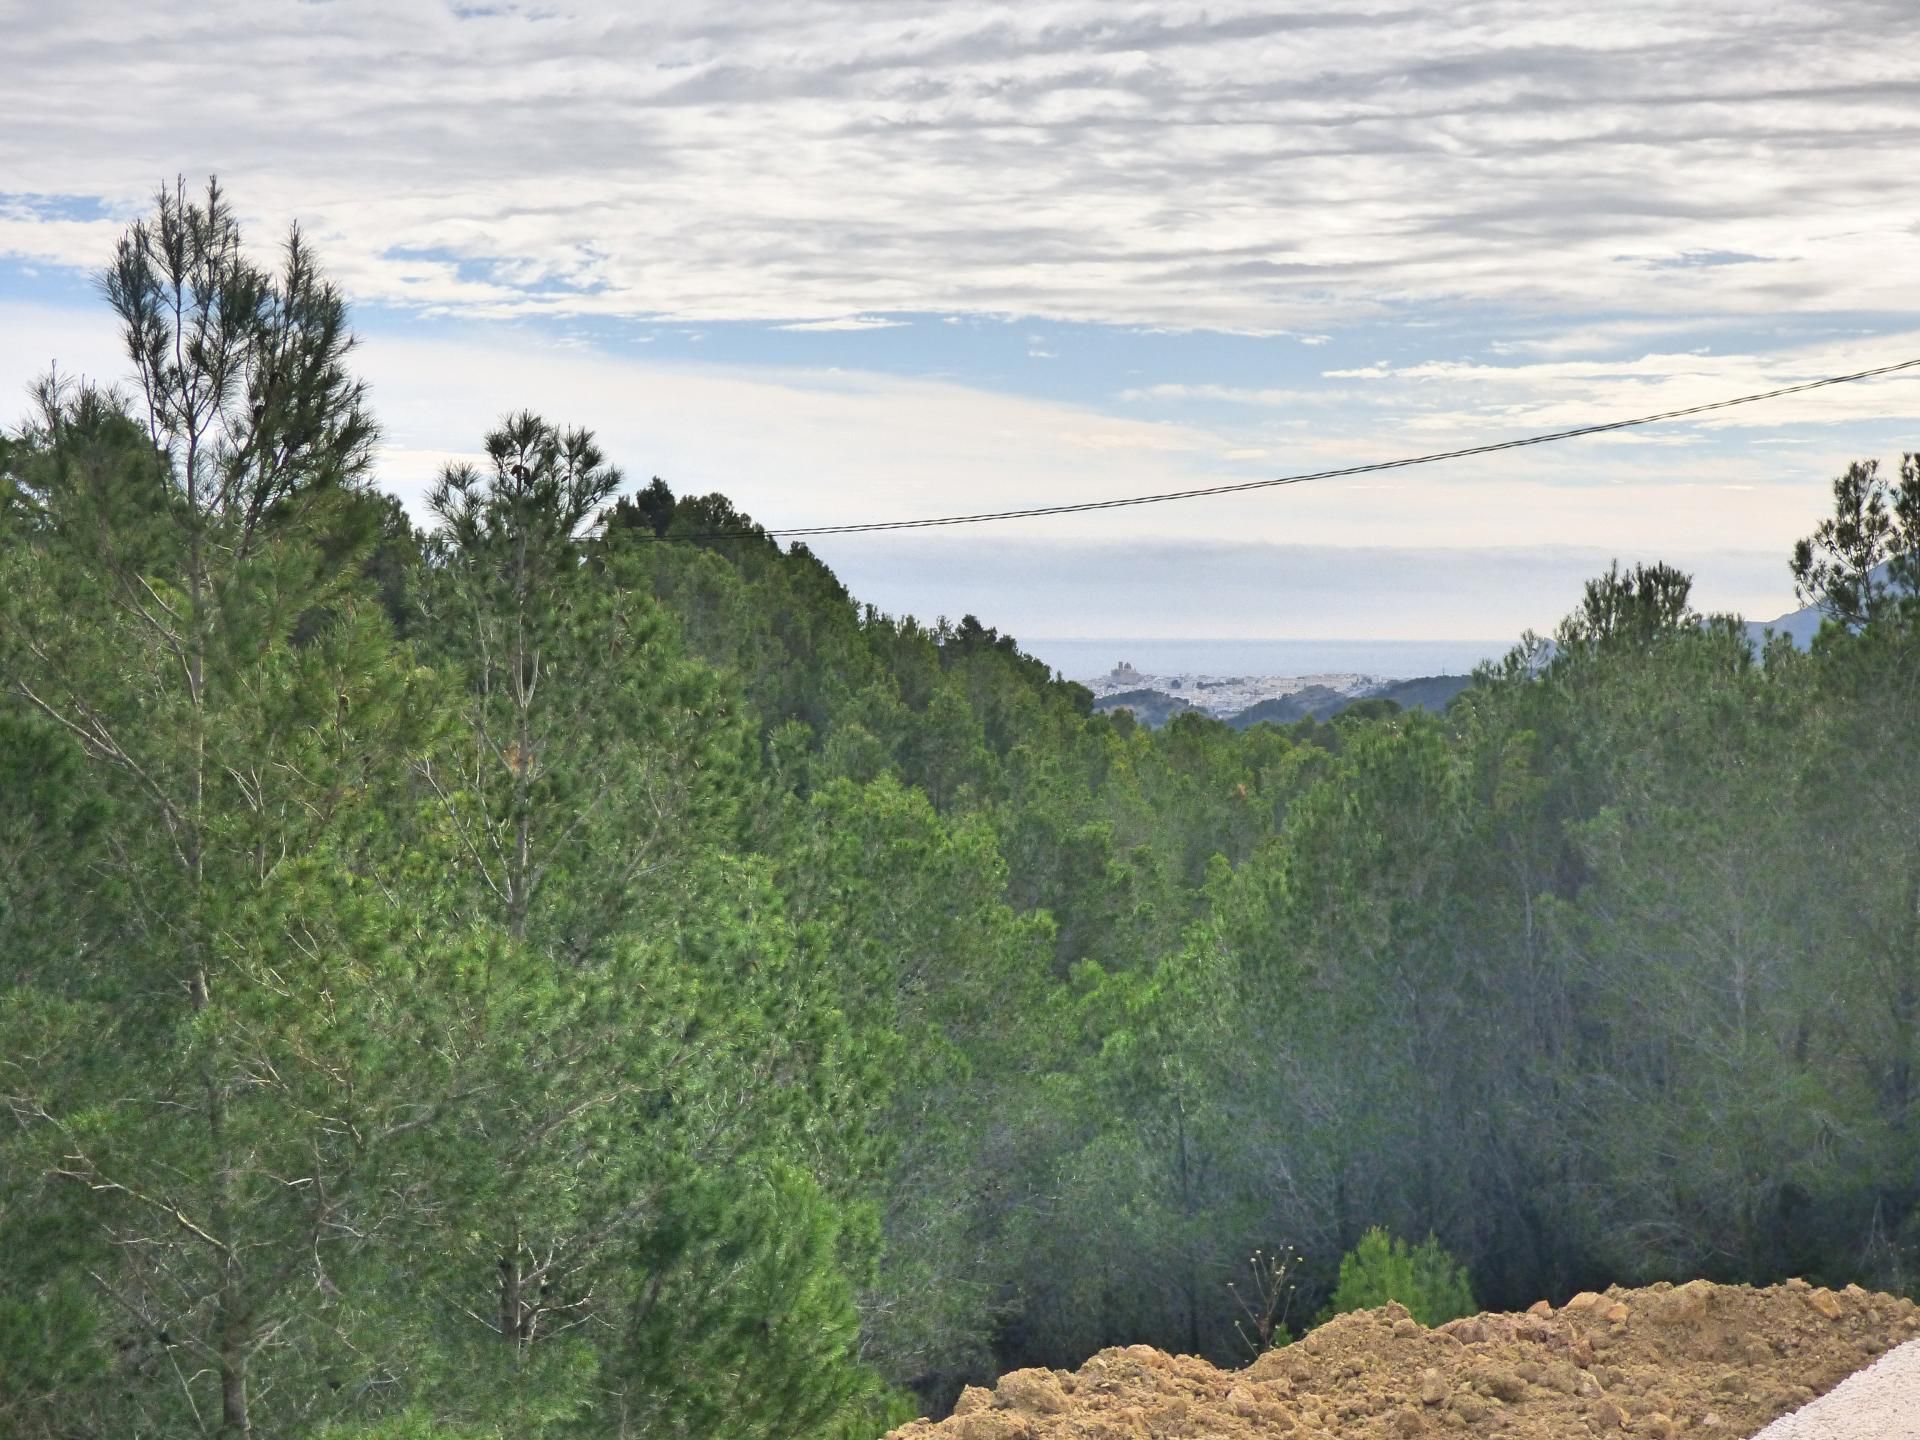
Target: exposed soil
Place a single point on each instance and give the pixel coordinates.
(1698, 1360)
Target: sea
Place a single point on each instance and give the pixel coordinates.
(1078, 659)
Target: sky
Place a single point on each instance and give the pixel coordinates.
(848, 260)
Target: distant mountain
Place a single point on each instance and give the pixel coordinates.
(1154, 707)
(1149, 699)
(1800, 625)
(1428, 692)
(1319, 701)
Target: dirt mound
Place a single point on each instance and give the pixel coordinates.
(1696, 1360)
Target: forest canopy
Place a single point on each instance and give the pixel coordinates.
(572, 970)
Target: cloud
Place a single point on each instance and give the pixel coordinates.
(1218, 166)
(1223, 395)
(827, 447)
(847, 322)
(1146, 589)
(1440, 227)
(1496, 400)
(1599, 337)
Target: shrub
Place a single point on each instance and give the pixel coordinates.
(1425, 1278)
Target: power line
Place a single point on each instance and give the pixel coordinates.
(1374, 467)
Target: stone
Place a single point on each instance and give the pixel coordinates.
(991, 1425)
(1407, 1421)
(1287, 1364)
(1170, 1416)
(973, 1398)
(1607, 1415)
(1825, 1304)
(1683, 1305)
(1031, 1392)
(1470, 1407)
(1433, 1389)
(1504, 1385)
(1562, 1377)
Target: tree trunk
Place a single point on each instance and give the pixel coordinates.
(234, 1420)
(512, 1301)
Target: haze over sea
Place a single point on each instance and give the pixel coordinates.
(1077, 659)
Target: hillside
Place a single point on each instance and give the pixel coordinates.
(1150, 707)
(579, 969)
(1317, 701)
(1428, 692)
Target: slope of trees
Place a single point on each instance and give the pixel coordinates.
(576, 972)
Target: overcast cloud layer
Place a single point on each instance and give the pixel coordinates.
(1222, 165)
(886, 257)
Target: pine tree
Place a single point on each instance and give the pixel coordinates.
(179, 605)
(653, 1026)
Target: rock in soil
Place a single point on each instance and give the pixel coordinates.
(1689, 1362)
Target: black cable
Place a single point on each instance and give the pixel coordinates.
(871, 526)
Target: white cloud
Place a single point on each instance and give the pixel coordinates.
(846, 322)
(830, 447)
(1597, 198)
(1493, 401)
(78, 243)
(839, 446)
(1224, 394)
(1228, 165)
(79, 342)
(1145, 588)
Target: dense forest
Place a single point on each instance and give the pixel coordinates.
(576, 971)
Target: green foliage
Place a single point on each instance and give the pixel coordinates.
(579, 973)
(751, 1336)
(1424, 1278)
(1865, 557)
(389, 1027)
(1629, 609)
